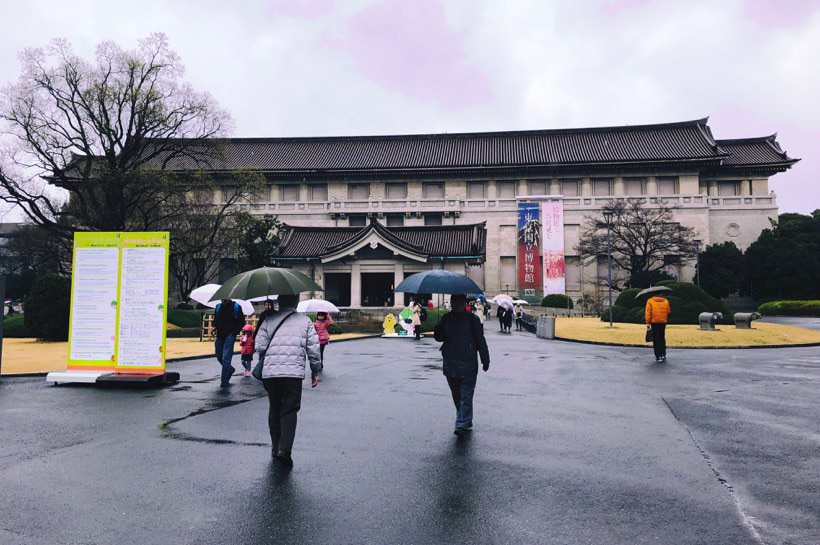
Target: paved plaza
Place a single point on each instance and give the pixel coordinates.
(573, 444)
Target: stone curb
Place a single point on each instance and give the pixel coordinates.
(184, 358)
(747, 347)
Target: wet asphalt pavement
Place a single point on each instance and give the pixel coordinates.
(573, 444)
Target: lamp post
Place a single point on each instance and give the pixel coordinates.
(608, 220)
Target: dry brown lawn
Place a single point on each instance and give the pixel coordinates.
(762, 334)
(32, 356)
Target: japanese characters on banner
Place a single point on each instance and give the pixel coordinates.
(529, 247)
(552, 246)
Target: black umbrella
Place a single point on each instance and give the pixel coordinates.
(653, 289)
(438, 281)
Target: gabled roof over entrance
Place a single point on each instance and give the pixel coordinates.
(420, 243)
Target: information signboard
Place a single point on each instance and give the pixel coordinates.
(119, 290)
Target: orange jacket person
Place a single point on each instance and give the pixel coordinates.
(657, 314)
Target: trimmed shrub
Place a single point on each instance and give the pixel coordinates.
(182, 332)
(686, 300)
(184, 318)
(14, 328)
(557, 300)
(48, 306)
(335, 329)
(627, 298)
(809, 307)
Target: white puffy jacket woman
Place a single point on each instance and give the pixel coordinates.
(284, 370)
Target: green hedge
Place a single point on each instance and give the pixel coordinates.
(790, 308)
(48, 308)
(182, 332)
(686, 301)
(14, 327)
(557, 300)
(185, 318)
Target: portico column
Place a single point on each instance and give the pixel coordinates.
(356, 285)
(398, 276)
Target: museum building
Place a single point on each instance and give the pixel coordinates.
(363, 212)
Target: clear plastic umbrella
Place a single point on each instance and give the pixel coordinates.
(203, 295)
(316, 305)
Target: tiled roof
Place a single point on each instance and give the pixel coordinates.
(755, 151)
(669, 142)
(434, 241)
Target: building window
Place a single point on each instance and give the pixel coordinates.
(432, 219)
(635, 186)
(396, 190)
(357, 220)
(261, 195)
(668, 185)
(229, 193)
(537, 187)
(317, 192)
(395, 220)
(476, 190)
(289, 192)
(602, 187)
(728, 189)
(358, 191)
(203, 196)
(506, 190)
(432, 190)
(569, 188)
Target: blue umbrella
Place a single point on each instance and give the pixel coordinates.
(438, 281)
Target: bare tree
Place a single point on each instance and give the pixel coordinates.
(87, 145)
(208, 232)
(644, 239)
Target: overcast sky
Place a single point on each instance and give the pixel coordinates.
(352, 67)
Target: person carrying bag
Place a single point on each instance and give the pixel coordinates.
(282, 370)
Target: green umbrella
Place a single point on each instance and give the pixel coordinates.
(265, 281)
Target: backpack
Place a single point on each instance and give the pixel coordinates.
(423, 314)
(235, 310)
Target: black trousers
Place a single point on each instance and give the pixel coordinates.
(659, 340)
(285, 397)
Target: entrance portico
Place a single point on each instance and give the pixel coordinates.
(360, 267)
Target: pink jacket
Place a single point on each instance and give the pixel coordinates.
(246, 343)
(321, 329)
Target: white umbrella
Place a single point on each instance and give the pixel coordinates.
(505, 303)
(316, 305)
(502, 297)
(263, 298)
(521, 302)
(203, 294)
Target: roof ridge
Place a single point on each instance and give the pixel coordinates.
(749, 140)
(463, 135)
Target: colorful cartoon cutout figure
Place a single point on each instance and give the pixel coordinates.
(406, 322)
(389, 324)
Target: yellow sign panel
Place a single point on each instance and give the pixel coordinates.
(119, 293)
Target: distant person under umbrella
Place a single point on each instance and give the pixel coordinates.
(463, 341)
(228, 322)
(657, 315)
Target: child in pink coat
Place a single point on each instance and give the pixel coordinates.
(322, 323)
(246, 346)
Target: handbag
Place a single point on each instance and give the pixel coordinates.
(257, 369)
(649, 337)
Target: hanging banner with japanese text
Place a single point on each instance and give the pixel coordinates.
(552, 246)
(529, 248)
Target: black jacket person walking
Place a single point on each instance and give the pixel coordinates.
(463, 341)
